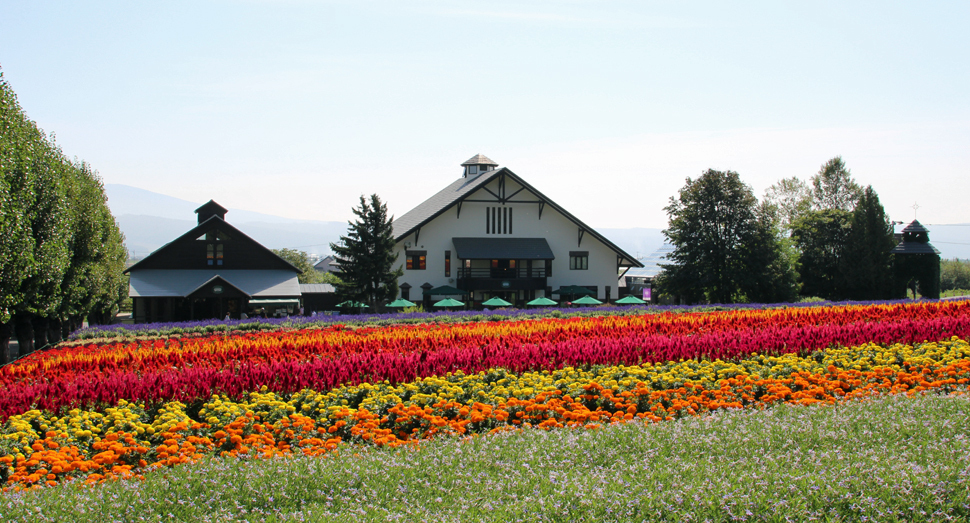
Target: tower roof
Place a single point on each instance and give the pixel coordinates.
(915, 226)
(479, 159)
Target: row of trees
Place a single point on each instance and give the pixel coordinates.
(828, 238)
(61, 249)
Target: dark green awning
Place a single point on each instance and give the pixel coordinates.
(502, 249)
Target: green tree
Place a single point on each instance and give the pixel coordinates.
(820, 237)
(771, 260)
(726, 247)
(301, 260)
(366, 255)
(866, 264)
(954, 274)
(16, 247)
(791, 198)
(834, 188)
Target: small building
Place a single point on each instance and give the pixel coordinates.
(638, 281)
(318, 297)
(211, 271)
(327, 264)
(492, 234)
(916, 263)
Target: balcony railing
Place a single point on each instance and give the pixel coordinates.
(488, 272)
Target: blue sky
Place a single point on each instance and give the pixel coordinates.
(296, 108)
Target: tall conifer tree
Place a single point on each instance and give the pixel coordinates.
(366, 255)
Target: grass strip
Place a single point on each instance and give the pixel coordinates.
(888, 458)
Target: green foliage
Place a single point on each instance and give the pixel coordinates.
(772, 255)
(791, 198)
(366, 256)
(726, 247)
(954, 274)
(834, 188)
(62, 251)
(820, 237)
(866, 264)
(301, 260)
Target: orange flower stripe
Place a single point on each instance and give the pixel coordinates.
(41, 449)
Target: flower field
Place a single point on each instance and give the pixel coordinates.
(120, 409)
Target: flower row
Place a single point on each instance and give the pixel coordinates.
(39, 447)
(286, 362)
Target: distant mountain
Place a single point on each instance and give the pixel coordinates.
(150, 220)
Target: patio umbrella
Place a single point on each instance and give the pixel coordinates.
(444, 290)
(546, 302)
(401, 302)
(630, 300)
(496, 302)
(448, 302)
(587, 300)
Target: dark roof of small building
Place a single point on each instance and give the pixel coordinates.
(502, 248)
(317, 288)
(479, 159)
(212, 221)
(905, 247)
(915, 226)
(212, 207)
(459, 189)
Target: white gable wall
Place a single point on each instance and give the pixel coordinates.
(558, 230)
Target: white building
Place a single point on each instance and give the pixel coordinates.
(490, 234)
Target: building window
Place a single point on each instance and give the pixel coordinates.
(548, 269)
(417, 260)
(447, 263)
(213, 254)
(578, 260)
(498, 220)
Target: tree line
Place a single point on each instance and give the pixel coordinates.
(826, 238)
(62, 251)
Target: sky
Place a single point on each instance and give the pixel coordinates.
(297, 108)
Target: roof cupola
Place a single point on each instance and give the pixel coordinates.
(211, 209)
(477, 164)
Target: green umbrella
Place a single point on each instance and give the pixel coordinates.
(630, 300)
(496, 302)
(587, 300)
(444, 290)
(448, 302)
(401, 302)
(542, 302)
(351, 303)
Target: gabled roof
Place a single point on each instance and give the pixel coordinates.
(219, 278)
(461, 188)
(479, 159)
(198, 230)
(181, 283)
(440, 202)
